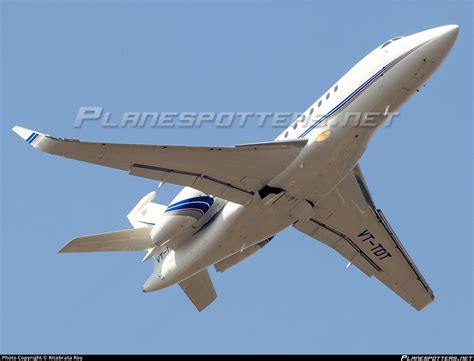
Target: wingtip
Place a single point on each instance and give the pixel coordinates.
(22, 132)
(64, 249)
(26, 134)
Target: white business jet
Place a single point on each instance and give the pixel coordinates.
(236, 199)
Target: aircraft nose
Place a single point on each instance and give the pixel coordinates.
(437, 42)
(452, 28)
(447, 36)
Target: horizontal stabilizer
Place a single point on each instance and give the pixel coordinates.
(128, 240)
(199, 289)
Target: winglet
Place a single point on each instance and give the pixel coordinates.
(27, 134)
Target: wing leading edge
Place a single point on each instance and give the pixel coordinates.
(231, 173)
(348, 221)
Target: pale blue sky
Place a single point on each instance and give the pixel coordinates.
(295, 296)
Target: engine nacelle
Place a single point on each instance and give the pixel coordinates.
(168, 227)
(185, 210)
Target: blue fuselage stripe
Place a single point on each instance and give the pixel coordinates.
(205, 199)
(203, 207)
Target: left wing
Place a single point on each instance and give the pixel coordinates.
(348, 221)
(199, 289)
(231, 173)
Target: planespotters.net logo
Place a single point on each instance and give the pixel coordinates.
(437, 358)
(98, 116)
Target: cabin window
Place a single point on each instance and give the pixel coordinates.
(327, 95)
(295, 125)
(335, 88)
(319, 103)
(286, 134)
(311, 111)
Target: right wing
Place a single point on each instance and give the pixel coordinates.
(348, 221)
(137, 239)
(231, 173)
(199, 289)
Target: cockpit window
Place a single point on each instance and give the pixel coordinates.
(390, 41)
